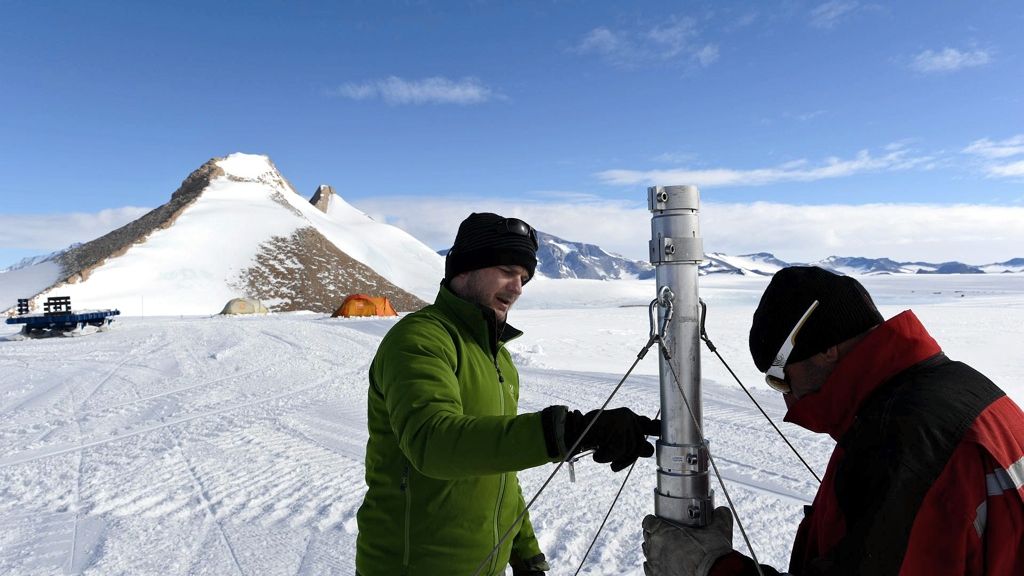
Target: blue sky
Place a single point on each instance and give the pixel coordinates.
(813, 128)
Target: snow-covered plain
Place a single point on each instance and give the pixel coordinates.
(216, 445)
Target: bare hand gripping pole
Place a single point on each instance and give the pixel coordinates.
(683, 493)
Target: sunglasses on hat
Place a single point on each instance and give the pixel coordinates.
(520, 228)
(776, 374)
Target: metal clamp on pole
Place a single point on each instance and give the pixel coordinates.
(683, 493)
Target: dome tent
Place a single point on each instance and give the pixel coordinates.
(365, 305)
(244, 306)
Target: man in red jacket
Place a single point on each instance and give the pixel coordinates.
(927, 477)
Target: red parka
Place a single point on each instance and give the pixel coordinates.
(927, 477)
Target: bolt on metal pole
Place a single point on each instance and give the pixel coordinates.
(676, 249)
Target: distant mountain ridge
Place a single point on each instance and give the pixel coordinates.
(562, 259)
(558, 258)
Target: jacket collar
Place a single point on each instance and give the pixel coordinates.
(479, 321)
(889, 349)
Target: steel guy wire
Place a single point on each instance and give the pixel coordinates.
(662, 297)
(610, 508)
(721, 482)
(654, 337)
(713, 349)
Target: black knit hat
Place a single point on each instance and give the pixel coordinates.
(486, 239)
(845, 310)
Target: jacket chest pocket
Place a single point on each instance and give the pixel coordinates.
(484, 393)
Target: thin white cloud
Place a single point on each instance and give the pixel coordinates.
(829, 14)
(601, 40)
(433, 90)
(800, 170)
(949, 60)
(671, 39)
(676, 39)
(1001, 159)
(1013, 146)
(1009, 170)
(707, 55)
(972, 234)
(50, 232)
(743, 21)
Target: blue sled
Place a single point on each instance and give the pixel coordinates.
(64, 321)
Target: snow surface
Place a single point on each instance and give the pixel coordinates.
(248, 166)
(217, 445)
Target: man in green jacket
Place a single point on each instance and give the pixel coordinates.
(445, 440)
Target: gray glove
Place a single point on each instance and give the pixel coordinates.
(673, 550)
(535, 566)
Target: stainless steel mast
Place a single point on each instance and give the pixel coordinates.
(676, 248)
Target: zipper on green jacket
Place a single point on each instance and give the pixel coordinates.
(404, 487)
(501, 485)
(497, 515)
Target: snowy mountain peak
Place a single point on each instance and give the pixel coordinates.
(236, 228)
(246, 166)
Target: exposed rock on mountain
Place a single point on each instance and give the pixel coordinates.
(558, 258)
(858, 265)
(307, 272)
(322, 197)
(952, 268)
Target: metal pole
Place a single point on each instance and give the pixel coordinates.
(676, 248)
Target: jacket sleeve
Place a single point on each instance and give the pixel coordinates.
(415, 371)
(736, 564)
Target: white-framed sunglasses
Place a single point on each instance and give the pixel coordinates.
(776, 374)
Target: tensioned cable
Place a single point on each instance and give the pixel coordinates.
(610, 508)
(711, 459)
(658, 335)
(712, 348)
(655, 337)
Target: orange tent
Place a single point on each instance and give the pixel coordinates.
(364, 305)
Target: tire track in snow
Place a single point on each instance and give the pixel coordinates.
(114, 370)
(201, 492)
(41, 391)
(77, 495)
(99, 411)
(301, 571)
(15, 460)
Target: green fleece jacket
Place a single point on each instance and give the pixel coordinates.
(445, 443)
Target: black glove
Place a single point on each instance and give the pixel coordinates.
(618, 435)
(535, 566)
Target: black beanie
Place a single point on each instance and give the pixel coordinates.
(485, 240)
(845, 310)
